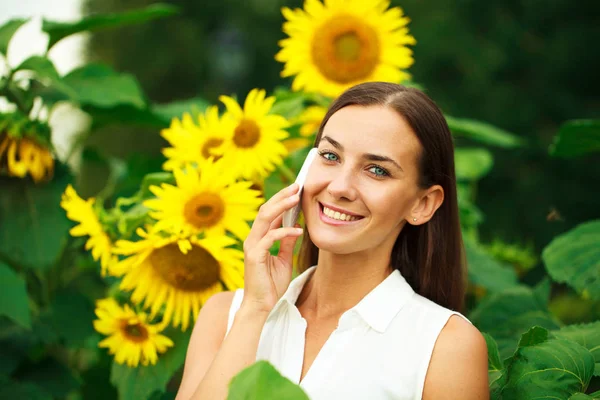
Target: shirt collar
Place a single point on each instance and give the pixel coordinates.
(378, 308)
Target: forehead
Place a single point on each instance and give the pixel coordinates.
(373, 129)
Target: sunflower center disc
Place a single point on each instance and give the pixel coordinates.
(134, 332)
(247, 134)
(192, 272)
(204, 210)
(345, 49)
(208, 145)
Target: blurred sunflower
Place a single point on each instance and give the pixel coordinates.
(180, 274)
(131, 338)
(253, 135)
(208, 200)
(192, 142)
(23, 156)
(82, 211)
(341, 43)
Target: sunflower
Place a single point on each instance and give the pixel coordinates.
(192, 142)
(131, 338)
(207, 201)
(160, 273)
(22, 156)
(341, 43)
(82, 211)
(253, 135)
(311, 119)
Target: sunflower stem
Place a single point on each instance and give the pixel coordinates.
(287, 173)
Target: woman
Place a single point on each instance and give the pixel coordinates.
(370, 316)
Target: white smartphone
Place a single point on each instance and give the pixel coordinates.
(290, 217)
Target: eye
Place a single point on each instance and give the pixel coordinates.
(328, 155)
(378, 171)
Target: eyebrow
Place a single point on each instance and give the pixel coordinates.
(368, 156)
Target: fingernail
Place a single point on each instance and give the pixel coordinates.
(298, 230)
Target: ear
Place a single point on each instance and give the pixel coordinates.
(430, 200)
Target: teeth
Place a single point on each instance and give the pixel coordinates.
(337, 215)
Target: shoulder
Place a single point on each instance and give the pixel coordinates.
(459, 363)
(217, 307)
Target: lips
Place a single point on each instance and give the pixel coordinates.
(338, 214)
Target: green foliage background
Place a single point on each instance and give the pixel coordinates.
(530, 216)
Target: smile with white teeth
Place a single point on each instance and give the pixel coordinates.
(337, 215)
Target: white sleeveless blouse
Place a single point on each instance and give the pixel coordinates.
(380, 349)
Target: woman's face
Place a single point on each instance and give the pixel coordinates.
(362, 186)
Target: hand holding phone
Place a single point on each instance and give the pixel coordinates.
(290, 217)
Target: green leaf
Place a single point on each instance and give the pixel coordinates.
(42, 66)
(52, 377)
(14, 302)
(7, 31)
(166, 112)
(581, 396)
(577, 138)
(587, 335)
(574, 258)
(261, 381)
(487, 272)
(93, 23)
(543, 290)
(97, 85)
(472, 164)
(495, 365)
(483, 132)
(141, 382)
(34, 227)
(548, 368)
(507, 314)
(71, 315)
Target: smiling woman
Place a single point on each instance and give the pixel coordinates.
(375, 312)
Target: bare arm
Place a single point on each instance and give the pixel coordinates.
(459, 364)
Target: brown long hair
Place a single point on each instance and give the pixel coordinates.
(429, 256)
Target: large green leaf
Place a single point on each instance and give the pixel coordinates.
(261, 381)
(507, 314)
(97, 85)
(472, 164)
(576, 138)
(587, 335)
(7, 31)
(42, 66)
(176, 109)
(543, 367)
(70, 317)
(487, 272)
(141, 382)
(34, 227)
(574, 258)
(92, 23)
(14, 302)
(483, 132)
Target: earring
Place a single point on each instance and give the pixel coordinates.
(414, 220)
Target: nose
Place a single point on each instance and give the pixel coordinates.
(343, 185)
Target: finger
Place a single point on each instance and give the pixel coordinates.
(269, 211)
(270, 238)
(286, 249)
(276, 222)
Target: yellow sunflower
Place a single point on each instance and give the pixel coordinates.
(192, 142)
(253, 135)
(159, 273)
(340, 43)
(82, 211)
(22, 156)
(208, 201)
(131, 338)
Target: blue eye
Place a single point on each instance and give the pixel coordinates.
(329, 156)
(378, 171)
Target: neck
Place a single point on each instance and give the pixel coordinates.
(340, 282)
